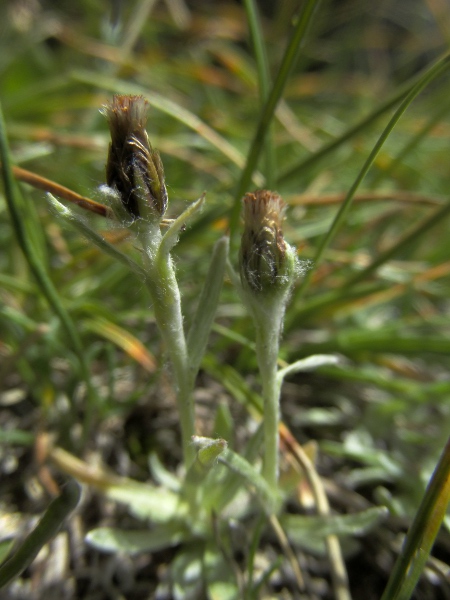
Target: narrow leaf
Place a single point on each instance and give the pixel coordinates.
(88, 232)
(239, 465)
(110, 539)
(307, 364)
(298, 527)
(204, 316)
(145, 501)
(170, 238)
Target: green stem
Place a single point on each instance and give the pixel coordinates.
(267, 346)
(163, 287)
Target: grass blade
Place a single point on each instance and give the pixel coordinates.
(123, 339)
(410, 236)
(289, 59)
(262, 65)
(362, 125)
(44, 531)
(36, 267)
(438, 69)
(422, 533)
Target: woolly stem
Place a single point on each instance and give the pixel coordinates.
(163, 287)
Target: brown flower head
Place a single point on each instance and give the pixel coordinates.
(133, 168)
(266, 261)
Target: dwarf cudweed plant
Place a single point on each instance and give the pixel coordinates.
(268, 270)
(214, 492)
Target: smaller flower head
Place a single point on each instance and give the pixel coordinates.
(267, 263)
(133, 168)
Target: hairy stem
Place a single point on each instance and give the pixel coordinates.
(163, 287)
(267, 346)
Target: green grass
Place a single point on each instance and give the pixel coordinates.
(336, 98)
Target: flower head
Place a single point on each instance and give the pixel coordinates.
(133, 168)
(267, 263)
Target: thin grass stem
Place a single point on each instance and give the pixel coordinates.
(135, 25)
(361, 126)
(422, 533)
(41, 183)
(262, 66)
(409, 237)
(45, 284)
(337, 564)
(438, 69)
(267, 113)
(413, 143)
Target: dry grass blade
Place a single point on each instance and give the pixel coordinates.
(337, 564)
(41, 183)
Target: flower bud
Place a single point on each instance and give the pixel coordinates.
(133, 168)
(209, 450)
(267, 263)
